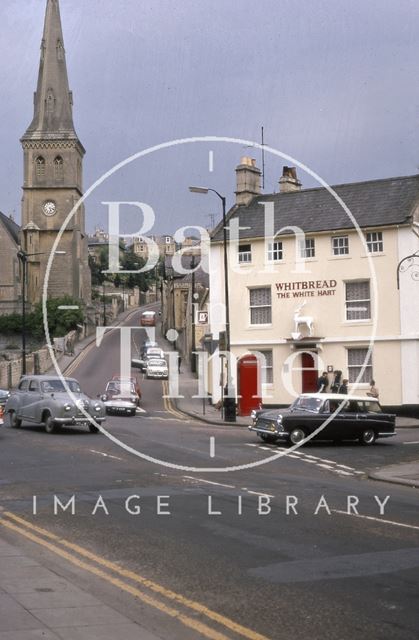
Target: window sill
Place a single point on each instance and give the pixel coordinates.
(259, 326)
(346, 256)
(358, 322)
(374, 254)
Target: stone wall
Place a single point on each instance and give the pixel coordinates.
(37, 362)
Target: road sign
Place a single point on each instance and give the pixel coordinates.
(202, 317)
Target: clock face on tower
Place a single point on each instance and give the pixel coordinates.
(49, 208)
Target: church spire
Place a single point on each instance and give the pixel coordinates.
(53, 103)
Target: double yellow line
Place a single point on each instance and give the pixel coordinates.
(129, 581)
(168, 403)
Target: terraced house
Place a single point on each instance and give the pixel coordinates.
(319, 285)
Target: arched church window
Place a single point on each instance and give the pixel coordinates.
(40, 167)
(58, 168)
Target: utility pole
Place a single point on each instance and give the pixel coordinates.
(193, 345)
(104, 304)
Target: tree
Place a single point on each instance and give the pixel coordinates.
(60, 321)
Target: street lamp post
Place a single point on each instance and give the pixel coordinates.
(230, 401)
(104, 303)
(123, 295)
(156, 278)
(193, 345)
(23, 257)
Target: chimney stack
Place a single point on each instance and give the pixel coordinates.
(247, 180)
(289, 181)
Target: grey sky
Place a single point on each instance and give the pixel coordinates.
(334, 83)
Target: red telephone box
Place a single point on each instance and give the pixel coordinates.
(248, 387)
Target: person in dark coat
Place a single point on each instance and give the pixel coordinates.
(336, 382)
(344, 387)
(322, 383)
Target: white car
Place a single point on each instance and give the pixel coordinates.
(157, 368)
(153, 353)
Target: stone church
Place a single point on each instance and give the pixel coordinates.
(52, 184)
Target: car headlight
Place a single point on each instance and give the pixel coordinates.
(253, 414)
(279, 419)
(97, 407)
(67, 407)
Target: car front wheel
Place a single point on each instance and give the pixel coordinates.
(297, 435)
(50, 426)
(367, 437)
(15, 422)
(93, 429)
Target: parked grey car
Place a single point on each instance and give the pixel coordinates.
(44, 400)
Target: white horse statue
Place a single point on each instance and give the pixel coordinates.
(302, 320)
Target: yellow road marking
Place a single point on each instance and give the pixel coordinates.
(116, 582)
(168, 404)
(135, 577)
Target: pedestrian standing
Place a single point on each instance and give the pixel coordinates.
(336, 382)
(322, 383)
(179, 362)
(373, 392)
(343, 388)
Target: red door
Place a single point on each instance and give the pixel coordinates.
(248, 391)
(309, 373)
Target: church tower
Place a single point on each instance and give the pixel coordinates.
(53, 169)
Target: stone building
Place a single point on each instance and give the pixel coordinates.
(53, 171)
(10, 287)
(309, 292)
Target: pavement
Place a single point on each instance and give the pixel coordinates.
(36, 603)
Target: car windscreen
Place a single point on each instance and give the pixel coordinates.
(307, 404)
(56, 386)
(370, 407)
(120, 387)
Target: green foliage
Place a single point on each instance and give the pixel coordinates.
(12, 323)
(59, 322)
(128, 261)
(98, 266)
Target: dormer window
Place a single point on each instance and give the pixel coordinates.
(245, 253)
(374, 241)
(275, 253)
(306, 248)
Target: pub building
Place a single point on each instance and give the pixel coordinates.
(316, 286)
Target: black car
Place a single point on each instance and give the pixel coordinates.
(330, 416)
